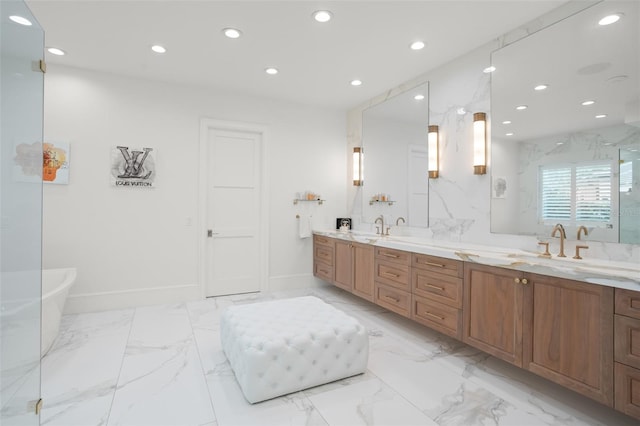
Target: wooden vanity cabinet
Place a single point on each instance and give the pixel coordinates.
(493, 300)
(343, 277)
(323, 254)
(347, 265)
(568, 334)
(582, 336)
(363, 271)
(436, 285)
(559, 329)
(627, 352)
(392, 280)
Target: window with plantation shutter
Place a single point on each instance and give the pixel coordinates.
(556, 193)
(573, 194)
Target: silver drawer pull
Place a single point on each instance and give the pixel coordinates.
(433, 315)
(389, 274)
(434, 286)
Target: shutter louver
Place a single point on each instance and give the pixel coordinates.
(556, 193)
(593, 193)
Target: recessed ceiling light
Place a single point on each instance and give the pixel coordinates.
(488, 70)
(601, 115)
(610, 19)
(271, 70)
(559, 143)
(158, 49)
(508, 134)
(20, 20)
(540, 87)
(232, 32)
(356, 83)
(55, 51)
(417, 45)
(418, 97)
(322, 15)
(589, 102)
(521, 107)
(506, 122)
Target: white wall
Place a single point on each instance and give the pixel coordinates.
(136, 246)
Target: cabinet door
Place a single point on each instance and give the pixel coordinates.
(342, 264)
(492, 311)
(363, 269)
(569, 334)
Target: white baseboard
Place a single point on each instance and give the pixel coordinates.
(103, 301)
(289, 282)
(124, 299)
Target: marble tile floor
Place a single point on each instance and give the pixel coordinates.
(163, 365)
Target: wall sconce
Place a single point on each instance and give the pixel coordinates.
(479, 143)
(357, 166)
(432, 139)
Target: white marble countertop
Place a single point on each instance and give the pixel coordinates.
(596, 271)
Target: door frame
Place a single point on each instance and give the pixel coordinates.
(207, 124)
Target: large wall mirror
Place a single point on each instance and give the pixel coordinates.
(394, 139)
(565, 141)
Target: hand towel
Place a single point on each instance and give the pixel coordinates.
(304, 226)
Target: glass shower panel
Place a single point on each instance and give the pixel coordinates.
(21, 98)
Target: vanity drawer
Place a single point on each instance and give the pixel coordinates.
(628, 303)
(323, 271)
(440, 265)
(440, 317)
(325, 241)
(437, 287)
(393, 299)
(395, 256)
(627, 390)
(323, 254)
(392, 274)
(627, 340)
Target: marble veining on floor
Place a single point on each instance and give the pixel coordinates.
(164, 365)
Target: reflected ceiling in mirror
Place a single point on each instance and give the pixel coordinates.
(569, 74)
(394, 135)
(580, 85)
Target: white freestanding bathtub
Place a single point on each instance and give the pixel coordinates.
(56, 284)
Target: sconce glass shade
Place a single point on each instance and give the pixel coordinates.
(479, 143)
(357, 166)
(433, 151)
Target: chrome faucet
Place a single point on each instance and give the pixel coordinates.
(381, 219)
(400, 219)
(563, 236)
(582, 228)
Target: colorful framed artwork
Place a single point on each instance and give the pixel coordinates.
(55, 162)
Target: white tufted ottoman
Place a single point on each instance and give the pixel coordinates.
(283, 346)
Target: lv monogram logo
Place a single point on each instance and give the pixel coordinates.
(134, 164)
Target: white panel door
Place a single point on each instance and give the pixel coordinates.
(233, 212)
(418, 186)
